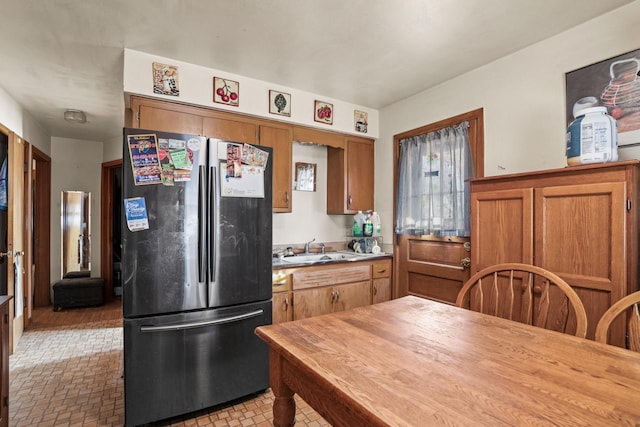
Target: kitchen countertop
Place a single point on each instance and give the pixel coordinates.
(290, 261)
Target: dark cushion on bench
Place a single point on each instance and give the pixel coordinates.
(76, 274)
(78, 292)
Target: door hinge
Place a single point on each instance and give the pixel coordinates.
(628, 205)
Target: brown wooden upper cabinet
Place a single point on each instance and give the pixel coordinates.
(173, 117)
(231, 130)
(350, 159)
(279, 138)
(350, 176)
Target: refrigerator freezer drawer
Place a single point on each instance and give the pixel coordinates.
(185, 362)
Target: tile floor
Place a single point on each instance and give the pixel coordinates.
(67, 367)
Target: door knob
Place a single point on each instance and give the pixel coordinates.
(465, 262)
(7, 254)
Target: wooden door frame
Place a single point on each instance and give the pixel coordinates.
(476, 133)
(106, 225)
(41, 283)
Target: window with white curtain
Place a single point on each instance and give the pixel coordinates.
(433, 191)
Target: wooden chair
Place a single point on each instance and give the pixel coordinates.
(527, 294)
(631, 302)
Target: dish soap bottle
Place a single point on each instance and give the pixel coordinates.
(358, 222)
(367, 230)
(375, 218)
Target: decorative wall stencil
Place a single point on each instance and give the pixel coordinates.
(165, 79)
(323, 112)
(279, 103)
(361, 120)
(226, 91)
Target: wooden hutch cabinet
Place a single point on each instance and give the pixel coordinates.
(580, 222)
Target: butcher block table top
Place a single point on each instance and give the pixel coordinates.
(416, 362)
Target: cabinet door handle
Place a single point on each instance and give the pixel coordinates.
(381, 271)
(286, 197)
(286, 303)
(350, 200)
(375, 290)
(333, 296)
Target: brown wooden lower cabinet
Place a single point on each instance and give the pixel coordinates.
(381, 283)
(303, 292)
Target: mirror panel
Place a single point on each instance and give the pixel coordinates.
(76, 238)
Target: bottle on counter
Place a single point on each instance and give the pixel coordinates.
(377, 228)
(358, 224)
(367, 229)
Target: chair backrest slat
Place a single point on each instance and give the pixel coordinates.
(496, 294)
(523, 293)
(512, 295)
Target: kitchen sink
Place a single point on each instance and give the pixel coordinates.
(314, 258)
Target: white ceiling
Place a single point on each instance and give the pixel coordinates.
(59, 54)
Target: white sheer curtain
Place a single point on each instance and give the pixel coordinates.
(433, 195)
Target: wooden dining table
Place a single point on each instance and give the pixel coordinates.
(417, 362)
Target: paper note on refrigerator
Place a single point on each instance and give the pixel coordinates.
(251, 184)
(136, 212)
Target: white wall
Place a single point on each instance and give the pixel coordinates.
(196, 87)
(112, 149)
(308, 218)
(75, 165)
(19, 121)
(523, 96)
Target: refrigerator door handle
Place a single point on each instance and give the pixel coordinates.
(202, 324)
(202, 224)
(213, 192)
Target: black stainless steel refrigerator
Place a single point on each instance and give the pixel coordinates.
(196, 275)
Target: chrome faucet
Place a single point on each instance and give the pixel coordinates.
(306, 245)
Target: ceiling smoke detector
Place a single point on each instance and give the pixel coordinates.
(75, 116)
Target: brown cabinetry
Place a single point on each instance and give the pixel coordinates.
(282, 308)
(232, 130)
(326, 289)
(173, 117)
(578, 222)
(279, 138)
(381, 281)
(302, 292)
(350, 181)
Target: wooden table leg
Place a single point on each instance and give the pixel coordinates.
(284, 406)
